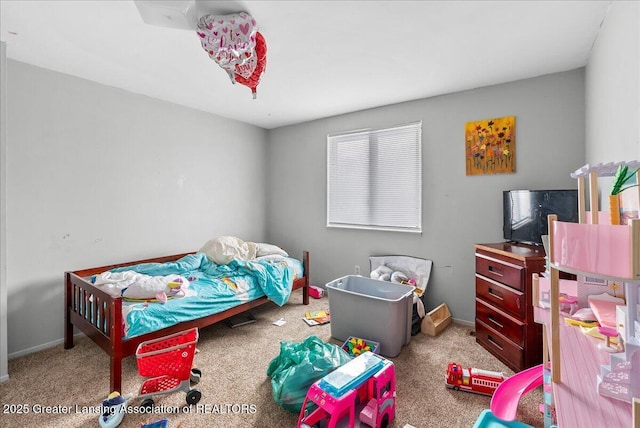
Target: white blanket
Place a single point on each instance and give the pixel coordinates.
(133, 285)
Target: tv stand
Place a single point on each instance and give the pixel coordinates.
(504, 314)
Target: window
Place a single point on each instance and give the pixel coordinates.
(375, 179)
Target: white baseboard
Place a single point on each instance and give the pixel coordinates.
(38, 348)
(31, 350)
(4, 378)
(463, 322)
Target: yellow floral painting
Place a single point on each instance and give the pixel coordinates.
(491, 146)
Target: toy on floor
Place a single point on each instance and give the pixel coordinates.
(315, 292)
(489, 420)
(167, 361)
(504, 403)
(472, 380)
(162, 423)
(114, 410)
(363, 388)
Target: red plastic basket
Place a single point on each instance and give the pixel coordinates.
(168, 356)
(159, 384)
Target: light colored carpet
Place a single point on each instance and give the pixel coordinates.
(234, 384)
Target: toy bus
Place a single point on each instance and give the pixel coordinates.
(360, 393)
(472, 379)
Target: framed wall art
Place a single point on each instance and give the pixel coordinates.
(490, 146)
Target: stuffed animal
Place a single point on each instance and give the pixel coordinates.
(382, 272)
(399, 277)
(385, 273)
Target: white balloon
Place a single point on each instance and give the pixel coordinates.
(229, 40)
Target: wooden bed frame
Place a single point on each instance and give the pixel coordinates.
(99, 315)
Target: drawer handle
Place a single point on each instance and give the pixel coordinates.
(494, 343)
(493, 320)
(495, 293)
(494, 271)
(518, 302)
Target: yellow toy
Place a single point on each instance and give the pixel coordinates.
(585, 324)
(356, 346)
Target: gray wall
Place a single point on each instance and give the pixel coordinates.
(97, 175)
(613, 87)
(458, 211)
(4, 370)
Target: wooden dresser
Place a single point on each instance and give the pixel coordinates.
(504, 311)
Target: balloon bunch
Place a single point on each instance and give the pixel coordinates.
(235, 44)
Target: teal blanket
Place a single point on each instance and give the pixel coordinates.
(213, 288)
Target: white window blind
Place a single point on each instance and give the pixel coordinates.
(375, 179)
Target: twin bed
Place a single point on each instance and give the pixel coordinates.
(96, 306)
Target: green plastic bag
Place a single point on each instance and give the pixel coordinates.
(298, 366)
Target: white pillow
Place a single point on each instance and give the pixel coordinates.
(224, 249)
(269, 249)
(270, 258)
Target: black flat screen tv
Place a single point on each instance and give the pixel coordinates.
(525, 212)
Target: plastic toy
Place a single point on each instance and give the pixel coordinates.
(547, 407)
(356, 346)
(472, 380)
(315, 292)
(608, 333)
(113, 410)
(504, 403)
(168, 362)
(568, 304)
(175, 288)
(363, 389)
(579, 323)
(489, 420)
(163, 423)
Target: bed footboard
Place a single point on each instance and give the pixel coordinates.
(99, 316)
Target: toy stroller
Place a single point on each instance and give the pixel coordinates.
(168, 362)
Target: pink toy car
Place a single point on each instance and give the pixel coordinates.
(362, 392)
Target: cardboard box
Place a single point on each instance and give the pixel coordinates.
(435, 321)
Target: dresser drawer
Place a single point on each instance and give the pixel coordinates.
(508, 352)
(501, 296)
(508, 326)
(499, 270)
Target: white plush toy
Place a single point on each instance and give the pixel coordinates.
(399, 277)
(385, 273)
(382, 272)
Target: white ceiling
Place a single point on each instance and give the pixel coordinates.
(324, 58)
